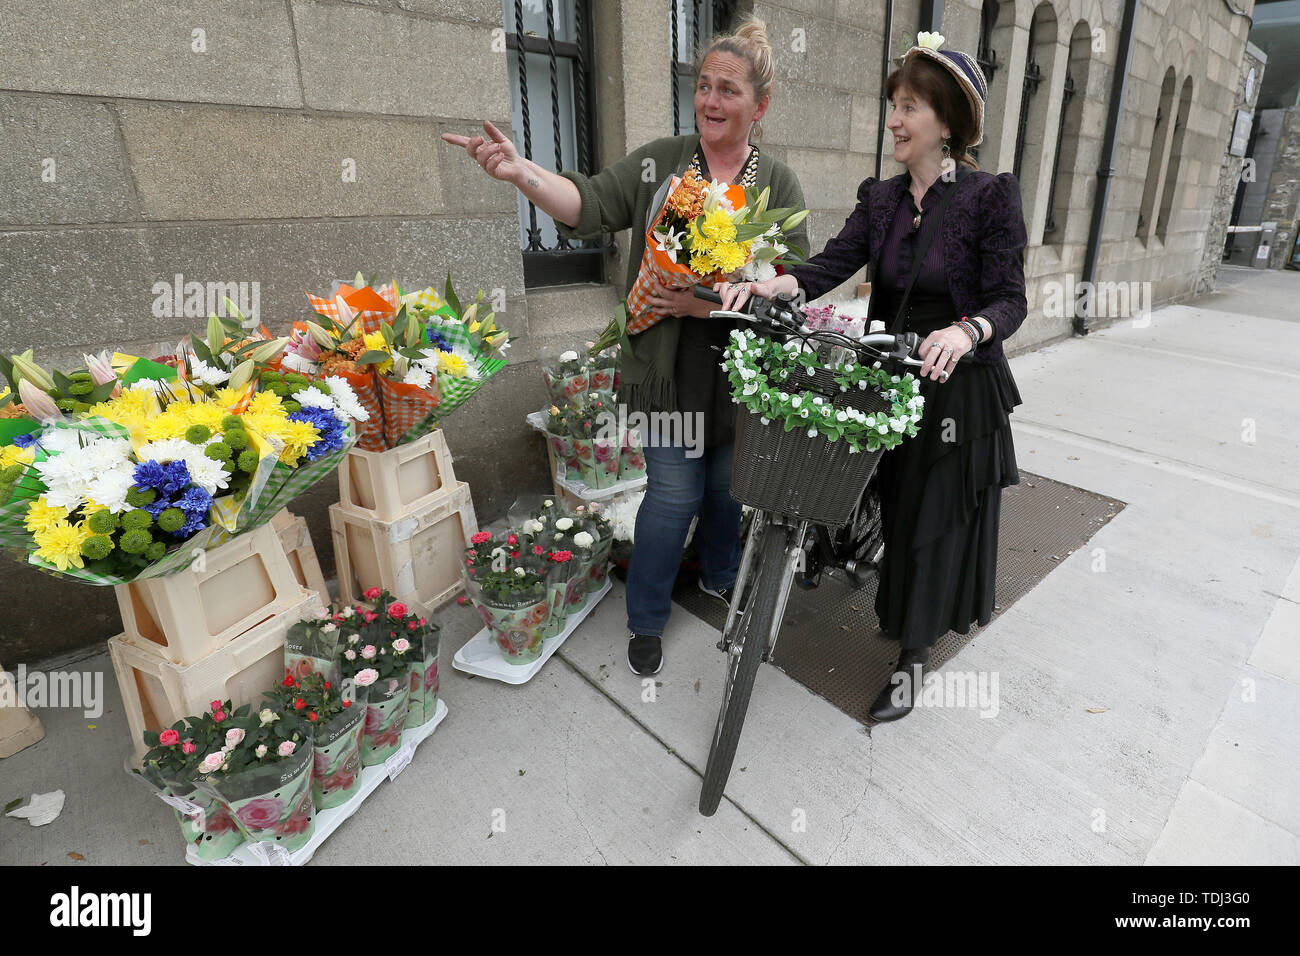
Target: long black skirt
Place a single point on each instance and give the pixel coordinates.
(940, 501)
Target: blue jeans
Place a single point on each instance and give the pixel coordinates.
(678, 488)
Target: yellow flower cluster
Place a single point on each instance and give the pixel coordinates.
(60, 544)
(713, 245)
(266, 416)
(133, 408)
(42, 515)
(375, 341)
(452, 364)
(13, 455)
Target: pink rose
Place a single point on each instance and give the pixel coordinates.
(401, 645)
(188, 747)
(371, 616)
(397, 610)
(286, 748)
(169, 738)
(260, 813)
(234, 736)
(371, 594)
(368, 652)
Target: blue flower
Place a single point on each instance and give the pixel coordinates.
(193, 523)
(150, 474)
(28, 440)
(437, 341)
(178, 477)
(195, 502)
(330, 428)
(158, 506)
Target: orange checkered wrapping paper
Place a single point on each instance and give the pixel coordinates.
(405, 406)
(365, 304)
(370, 433)
(655, 264)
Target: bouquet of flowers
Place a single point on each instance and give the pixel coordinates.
(172, 764)
(509, 591)
(262, 776)
(825, 318)
(375, 656)
(136, 483)
(703, 232)
(414, 357)
(315, 707)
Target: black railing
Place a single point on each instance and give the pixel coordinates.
(1033, 76)
(1066, 96)
(685, 16)
(985, 55)
(566, 261)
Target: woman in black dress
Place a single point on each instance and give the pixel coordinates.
(940, 491)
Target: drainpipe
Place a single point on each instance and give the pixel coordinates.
(1106, 170)
(884, 75)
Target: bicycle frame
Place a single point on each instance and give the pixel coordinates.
(796, 548)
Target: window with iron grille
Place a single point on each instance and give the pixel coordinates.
(549, 54)
(690, 23)
(985, 55)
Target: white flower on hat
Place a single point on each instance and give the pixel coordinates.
(930, 41)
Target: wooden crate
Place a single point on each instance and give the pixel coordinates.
(19, 727)
(157, 692)
(186, 616)
(298, 548)
(389, 484)
(416, 558)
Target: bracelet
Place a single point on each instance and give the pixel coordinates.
(979, 328)
(970, 330)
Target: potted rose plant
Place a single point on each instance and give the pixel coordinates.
(333, 716)
(375, 657)
(595, 441)
(594, 541)
(172, 763)
(509, 592)
(262, 774)
(567, 377)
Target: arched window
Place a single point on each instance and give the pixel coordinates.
(1156, 159)
(998, 24)
(1073, 97)
(1175, 160)
(1032, 159)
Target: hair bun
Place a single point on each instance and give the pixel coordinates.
(754, 30)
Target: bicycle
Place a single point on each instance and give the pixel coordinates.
(802, 525)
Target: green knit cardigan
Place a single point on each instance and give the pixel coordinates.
(618, 197)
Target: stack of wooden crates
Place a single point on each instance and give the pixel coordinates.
(402, 523)
(215, 631)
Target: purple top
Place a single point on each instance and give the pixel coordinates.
(981, 245)
(894, 263)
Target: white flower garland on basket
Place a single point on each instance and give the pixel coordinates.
(765, 376)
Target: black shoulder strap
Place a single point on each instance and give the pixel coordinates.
(923, 243)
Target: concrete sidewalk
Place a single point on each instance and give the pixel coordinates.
(1149, 687)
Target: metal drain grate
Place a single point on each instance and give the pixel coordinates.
(831, 640)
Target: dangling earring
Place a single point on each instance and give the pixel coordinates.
(945, 149)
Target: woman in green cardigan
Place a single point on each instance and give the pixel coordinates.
(675, 365)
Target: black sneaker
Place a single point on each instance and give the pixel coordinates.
(645, 654)
(722, 594)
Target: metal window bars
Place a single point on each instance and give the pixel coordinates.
(1066, 95)
(567, 60)
(700, 19)
(1033, 76)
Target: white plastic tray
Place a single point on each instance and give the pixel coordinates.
(576, 486)
(327, 821)
(481, 656)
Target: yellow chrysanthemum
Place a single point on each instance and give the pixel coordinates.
(375, 341)
(264, 402)
(41, 516)
(730, 256)
(452, 364)
(13, 455)
(133, 408)
(298, 437)
(227, 398)
(701, 263)
(700, 242)
(718, 225)
(177, 418)
(60, 544)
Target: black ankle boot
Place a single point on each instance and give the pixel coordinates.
(904, 687)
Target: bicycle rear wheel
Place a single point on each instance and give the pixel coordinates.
(764, 601)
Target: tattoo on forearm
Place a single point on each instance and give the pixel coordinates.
(534, 182)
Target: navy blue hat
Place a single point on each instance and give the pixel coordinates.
(964, 70)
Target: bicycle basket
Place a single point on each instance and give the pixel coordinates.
(808, 478)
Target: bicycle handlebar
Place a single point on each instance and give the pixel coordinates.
(778, 315)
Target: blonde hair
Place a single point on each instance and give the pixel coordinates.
(750, 43)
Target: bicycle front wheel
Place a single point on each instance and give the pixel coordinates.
(753, 632)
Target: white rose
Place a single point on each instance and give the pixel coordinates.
(583, 540)
(569, 356)
(233, 737)
(366, 677)
(267, 716)
(212, 762)
(260, 751)
(564, 524)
